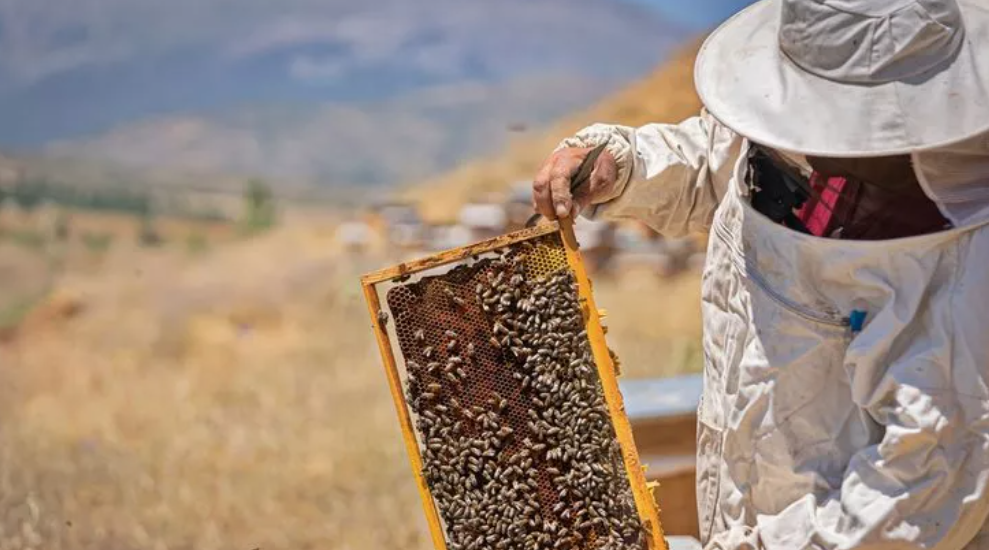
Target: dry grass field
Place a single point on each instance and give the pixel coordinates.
(235, 400)
(33, 255)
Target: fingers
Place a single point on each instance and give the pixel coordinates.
(541, 196)
(560, 188)
(551, 187)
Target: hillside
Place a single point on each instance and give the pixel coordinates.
(418, 135)
(331, 91)
(667, 95)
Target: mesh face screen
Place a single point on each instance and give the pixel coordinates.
(517, 444)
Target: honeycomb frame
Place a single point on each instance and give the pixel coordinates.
(550, 247)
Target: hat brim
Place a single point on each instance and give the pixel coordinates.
(747, 83)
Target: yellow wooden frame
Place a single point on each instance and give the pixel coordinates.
(644, 500)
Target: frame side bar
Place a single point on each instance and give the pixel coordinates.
(395, 384)
(646, 504)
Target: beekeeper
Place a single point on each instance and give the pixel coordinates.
(841, 168)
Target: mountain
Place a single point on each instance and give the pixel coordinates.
(92, 74)
(666, 95)
(411, 137)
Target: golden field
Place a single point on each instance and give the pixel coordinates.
(235, 399)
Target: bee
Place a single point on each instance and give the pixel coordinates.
(382, 317)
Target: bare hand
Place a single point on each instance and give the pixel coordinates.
(551, 188)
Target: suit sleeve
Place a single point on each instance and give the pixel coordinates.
(670, 176)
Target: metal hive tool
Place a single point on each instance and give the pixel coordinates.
(508, 400)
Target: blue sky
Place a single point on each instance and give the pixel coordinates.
(696, 14)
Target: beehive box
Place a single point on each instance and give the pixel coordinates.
(508, 400)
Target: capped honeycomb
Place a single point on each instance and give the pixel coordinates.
(518, 449)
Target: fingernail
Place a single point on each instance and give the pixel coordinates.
(561, 210)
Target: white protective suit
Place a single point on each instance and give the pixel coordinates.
(811, 435)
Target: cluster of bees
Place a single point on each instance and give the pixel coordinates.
(517, 445)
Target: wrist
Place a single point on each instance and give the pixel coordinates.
(616, 145)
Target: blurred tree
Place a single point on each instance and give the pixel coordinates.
(259, 207)
(28, 193)
(148, 234)
(62, 230)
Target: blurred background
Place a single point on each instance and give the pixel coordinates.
(189, 192)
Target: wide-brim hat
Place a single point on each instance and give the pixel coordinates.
(850, 78)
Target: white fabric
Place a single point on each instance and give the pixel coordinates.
(850, 78)
(699, 149)
(870, 41)
(811, 436)
(591, 234)
(957, 178)
(830, 439)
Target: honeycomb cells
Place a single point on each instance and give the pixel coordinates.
(517, 444)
